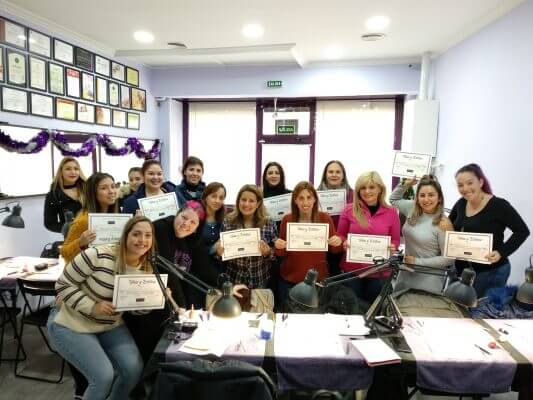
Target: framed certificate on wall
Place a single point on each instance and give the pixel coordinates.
(134, 121)
(56, 78)
(41, 105)
(103, 115)
(14, 100)
(73, 82)
(12, 33)
(132, 76)
(63, 51)
(16, 68)
(102, 65)
(117, 71)
(39, 43)
(85, 112)
(38, 78)
(65, 109)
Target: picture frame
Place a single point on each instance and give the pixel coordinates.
(39, 43)
(83, 59)
(41, 105)
(138, 99)
(125, 97)
(38, 74)
(87, 86)
(118, 71)
(103, 115)
(101, 90)
(73, 78)
(65, 109)
(56, 79)
(132, 76)
(114, 94)
(14, 100)
(119, 118)
(63, 52)
(85, 112)
(2, 69)
(134, 120)
(16, 68)
(102, 65)
(12, 33)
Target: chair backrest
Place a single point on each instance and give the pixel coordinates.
(224, 380)
(35, 288)
(51, 250)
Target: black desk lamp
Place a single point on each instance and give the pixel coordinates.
(461, 291)
(524, 295)
(225, 307)
(14, 220)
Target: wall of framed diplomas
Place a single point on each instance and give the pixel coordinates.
(44, 76)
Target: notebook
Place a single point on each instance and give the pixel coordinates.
(376, 352)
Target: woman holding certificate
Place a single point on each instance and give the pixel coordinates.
(480, 211)
(424, 230)
(153, 185)
(191, 186)
(376, 227)
(252, 271)
(304, 211)
(334, 178)
(87, 331)
(65, 194)
(100, 197)
(213, 203)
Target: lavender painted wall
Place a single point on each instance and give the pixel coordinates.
(485, 89)
(251, 81)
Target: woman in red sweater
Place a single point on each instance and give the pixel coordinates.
(304, 209)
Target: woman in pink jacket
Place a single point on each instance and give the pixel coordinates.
(369, 214)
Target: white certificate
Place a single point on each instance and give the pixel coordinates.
(39, 43)
(157, 207)
(278, 206)
(332, 201)
(240, 243)
(138, 292)
(307, 237)
(408, 165)
(364, 248)
(14, 100)
(108, 227)
(468, 246)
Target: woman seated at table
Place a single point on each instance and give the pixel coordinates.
(87, 331)
(368, 215)
(153, 185)
(65, 194)
(304, 209)
(253, 271)
(424, 232)
(100, 197)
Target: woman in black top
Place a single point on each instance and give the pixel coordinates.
(480, 211)
(274, 180)
(65, 194)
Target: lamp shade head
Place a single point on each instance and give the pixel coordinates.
(227, 306)
(524, 295)
(305, 293)
(14, 220)
(462, 292)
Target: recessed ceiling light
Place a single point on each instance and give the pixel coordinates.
(143, 37)
(377, 23)
(252, 31)
(333, 52)
(372, 37)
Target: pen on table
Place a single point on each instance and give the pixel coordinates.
(482, 349)
(14, 272)
(259, 316)
(503, 331)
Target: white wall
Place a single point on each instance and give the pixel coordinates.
(485, 89)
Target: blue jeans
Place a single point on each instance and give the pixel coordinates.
(493, 278)
(109, 360)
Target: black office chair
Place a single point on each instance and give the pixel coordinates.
(38, 317)
(8, 315)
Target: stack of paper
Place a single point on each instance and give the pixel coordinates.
(376, 352)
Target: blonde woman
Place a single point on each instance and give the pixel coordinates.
(369, 214)
(65, 194)
(254, 272)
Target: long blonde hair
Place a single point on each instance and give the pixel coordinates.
(58, 178)
(260, 216)
(363, 180)
(146, 265)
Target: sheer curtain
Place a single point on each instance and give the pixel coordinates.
(223, 136)
(358, 133)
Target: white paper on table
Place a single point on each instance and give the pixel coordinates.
(451, 339)
(321, 339)
(518, 334)
(348, 325)
(376, 351)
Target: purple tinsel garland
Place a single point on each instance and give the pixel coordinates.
(58, 139)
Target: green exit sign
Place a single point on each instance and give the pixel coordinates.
(274, 84)
(287, 126)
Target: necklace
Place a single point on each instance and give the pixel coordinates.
(70, 186)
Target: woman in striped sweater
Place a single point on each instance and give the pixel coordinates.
(87, 331)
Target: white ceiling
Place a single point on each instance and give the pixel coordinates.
(296, 31)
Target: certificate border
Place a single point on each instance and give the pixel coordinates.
(57, 108)
(96, 90)
(60, 60)
(50, 64)
(118, 278)
(96, 107)
(475, 260)
(109, 83)
(49, 55)
(332, 190)
(18, 90)
(79, 83)
(44, 95)
(24, 47)
(84, 73)
(122, 87)
(170, 194)
(128, 121)
(106, 215)
(108, 75)
(408, 152)
(113, 111)
(30, 58)
(123, 78)
(350, 235)
(78, 103)
(222, 234)
(138, 78)
(131, 99)
(77, 50)
(6, 67)
(290, 224)
(288, 195)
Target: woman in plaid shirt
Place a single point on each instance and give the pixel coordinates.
(250, 212)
